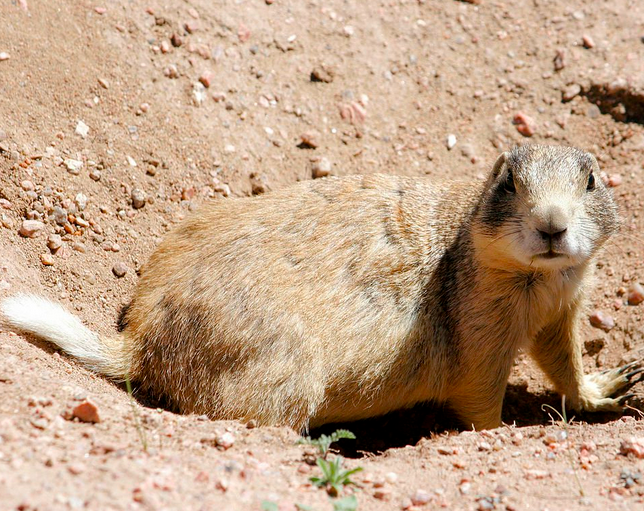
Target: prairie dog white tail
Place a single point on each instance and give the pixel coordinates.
(50, 321)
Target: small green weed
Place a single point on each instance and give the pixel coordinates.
(324, 442)
(349, 503)
(334, 477)
(267, 505)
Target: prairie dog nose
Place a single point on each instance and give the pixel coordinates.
(552, 224)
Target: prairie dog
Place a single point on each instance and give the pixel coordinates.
(344, 298)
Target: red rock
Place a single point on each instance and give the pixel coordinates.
(634, 446)
(353, 112)
(524, 124)
(243, 33)
(207, 78)
(309, 139)
(191, 27)
(600, 319)
(635, 294)
(382, 494)
(536, 474)
(176, 40)
(87, 411)
(588, 42)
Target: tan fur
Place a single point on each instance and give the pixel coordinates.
(345, 298)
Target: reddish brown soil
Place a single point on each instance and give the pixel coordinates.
(405, 74)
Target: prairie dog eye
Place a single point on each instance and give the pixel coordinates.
(591, 182)
(508, 185)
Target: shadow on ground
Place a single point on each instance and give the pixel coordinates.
(407, 427)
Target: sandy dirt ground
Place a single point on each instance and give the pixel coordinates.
(118, 118)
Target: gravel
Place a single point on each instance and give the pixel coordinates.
(524, 124)
(54, 242)
(601, 320)
(31, 228)
(320, 167)
(120, 269)
(87, 411)
(139, 198)
(635, 294)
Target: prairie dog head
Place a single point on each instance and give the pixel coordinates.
(543, 207)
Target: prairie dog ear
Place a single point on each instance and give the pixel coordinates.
(498, 164)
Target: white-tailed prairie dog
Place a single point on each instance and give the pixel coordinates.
(344, 298)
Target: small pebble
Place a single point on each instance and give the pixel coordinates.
(571, 92)
(601, 320)
(27, 185)
(560, 60)
(171, 71)
(54, 242)
(224, 440)
(73, 166)
(47, 259)
(31, 228)
(79, 247)
(524, 124)
(635, 294)
(86, 411)
(309, 139)
(391, 477)
(320, 168)
(420, 498)
(59, 215)
(451, 141)
(322, 73)
(76, 468)
(587, 41)
(95, 174)
(82, 129)
(4, 56)
(259, 183)
(382, 494)
(81, 201)
(139, 198)
(104, 83)
(634, 446)
(191, 26)
(119, 269)
(614, 180)
(207, 78)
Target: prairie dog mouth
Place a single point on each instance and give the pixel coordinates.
(550, 255)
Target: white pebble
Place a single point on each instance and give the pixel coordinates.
(73, 166)
(451, 141)
(81, 201)
(82, 129)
